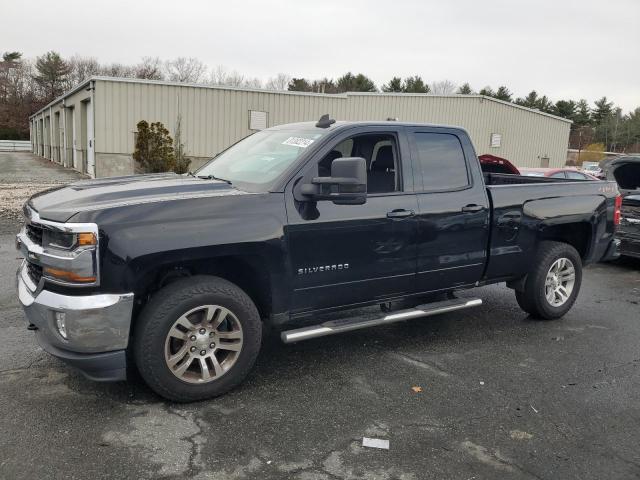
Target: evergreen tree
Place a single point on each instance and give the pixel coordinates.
(324, 85)
(415, 84)
(154, 148)
(565, 109)
(465, 89)
(299, 85)
(530, 101)
(603, 110)
(503, 93)
(582, 116)
(394, 85)
(487, 92)
(355, 83)
(52, 74)
(544, 104)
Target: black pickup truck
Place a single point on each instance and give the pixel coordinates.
(180, 275)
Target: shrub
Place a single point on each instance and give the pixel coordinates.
(593, 152)
(179, 151)
(154, 148)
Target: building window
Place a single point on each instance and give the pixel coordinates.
(257, 120)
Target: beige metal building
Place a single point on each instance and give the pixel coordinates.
(92, 127)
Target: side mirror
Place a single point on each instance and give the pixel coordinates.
(347, 184)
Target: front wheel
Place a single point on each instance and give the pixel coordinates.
(553, 283)
(197, 338)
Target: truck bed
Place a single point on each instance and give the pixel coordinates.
(525, 208)
(508, 179)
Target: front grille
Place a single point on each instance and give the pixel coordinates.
(35, 272)
(34, 232)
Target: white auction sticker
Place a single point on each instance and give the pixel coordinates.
(298, 142)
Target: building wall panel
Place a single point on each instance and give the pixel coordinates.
(214, 118)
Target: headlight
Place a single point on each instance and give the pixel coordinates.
(70, 257)
(53, 239)
(67, 253)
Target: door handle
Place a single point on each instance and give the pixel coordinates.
(472, 208)
(400, 213)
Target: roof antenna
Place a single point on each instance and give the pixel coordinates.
(325, 121)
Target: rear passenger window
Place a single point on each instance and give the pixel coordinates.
(441, 161)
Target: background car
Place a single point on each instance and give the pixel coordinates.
(493, 164)
(593, 168)
(570, 173)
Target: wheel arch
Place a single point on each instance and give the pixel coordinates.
(577, 234)
(248, 271)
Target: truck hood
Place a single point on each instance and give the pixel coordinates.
(61, 203)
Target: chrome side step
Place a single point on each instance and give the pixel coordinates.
(347, 324)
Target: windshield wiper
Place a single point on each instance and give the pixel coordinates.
(213, 177)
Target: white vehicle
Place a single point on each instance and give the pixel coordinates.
(592, 168)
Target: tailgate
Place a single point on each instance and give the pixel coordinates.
(629, 228)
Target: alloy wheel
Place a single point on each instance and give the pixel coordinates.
(203, 344)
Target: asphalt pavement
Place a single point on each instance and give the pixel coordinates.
(502, 396)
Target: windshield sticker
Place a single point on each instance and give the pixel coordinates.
(298, 142)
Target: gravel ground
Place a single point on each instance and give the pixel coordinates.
(502, 396)
(22, 175)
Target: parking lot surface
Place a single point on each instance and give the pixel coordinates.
(503, 396)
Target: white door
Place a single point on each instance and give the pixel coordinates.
(91, 158)
(74, 154)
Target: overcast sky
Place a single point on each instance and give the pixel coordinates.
(561, 48)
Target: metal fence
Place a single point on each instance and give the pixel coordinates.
(15, 146)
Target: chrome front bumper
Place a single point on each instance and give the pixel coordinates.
(97, 325)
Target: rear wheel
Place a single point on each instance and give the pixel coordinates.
(197, 338)
(553, 283)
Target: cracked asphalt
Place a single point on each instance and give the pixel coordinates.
(503, 396)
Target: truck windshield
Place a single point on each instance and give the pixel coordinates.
(260, 158)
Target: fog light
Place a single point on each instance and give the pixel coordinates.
(60, 324)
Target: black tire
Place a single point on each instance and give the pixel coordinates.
(533, 299)
(158, 317)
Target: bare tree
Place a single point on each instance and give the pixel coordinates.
(252, 83)
(185, 69)
(443, 87)
(81, 68)
(218, 75)
(150, 68)
(117, 70)
(279, 82)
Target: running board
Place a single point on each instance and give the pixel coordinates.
(347, 324)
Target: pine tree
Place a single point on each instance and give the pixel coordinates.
(530, 101)
(487, 92)
(154, 148)
(582, 116)
(465, 89)
(503, 93)
(52, 74)
(394, 85)
(565, 109)
(299, 85)
(355, 83)
(603, 110)
(415, 84)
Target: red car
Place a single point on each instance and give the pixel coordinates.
(493, 164)
(570, 173)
